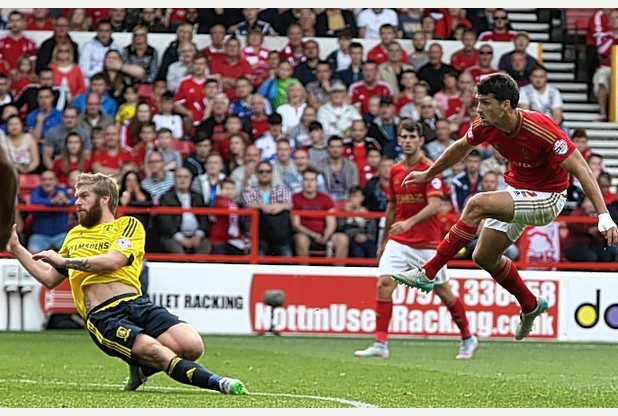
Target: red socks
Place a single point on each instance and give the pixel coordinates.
(384, 312)
(458, 312)
(508, 277)
(458, 237)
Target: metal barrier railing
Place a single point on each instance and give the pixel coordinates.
(253, 257)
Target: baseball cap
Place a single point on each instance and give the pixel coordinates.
(337, 86)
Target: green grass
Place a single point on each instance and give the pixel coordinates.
(56, 369)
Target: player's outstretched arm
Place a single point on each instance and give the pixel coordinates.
(101, 263)
(44, 273)
(577, 166)
(453, 154)
(8, 197)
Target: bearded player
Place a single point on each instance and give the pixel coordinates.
(412, 237)
(102, 257)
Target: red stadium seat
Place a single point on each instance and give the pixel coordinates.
(184, 147)
(27, 182)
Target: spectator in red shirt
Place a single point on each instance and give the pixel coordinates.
(483, 68)
(580, 140)
(598, 24)
(357, 147)
(360, 92)
(294, 51)
(259, 118)
(72, 158)
(601, 79)
(225, 232)
(109, 159)
(230, 67)
(467, 56)
(408, 80)
(256, 55)
(379, 53)
(40, 20)
(23, 75)
(313, 233)
(14, 44)
(501, 31)
(215, 50)
(190, 95)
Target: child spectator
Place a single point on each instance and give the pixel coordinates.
(225, 234)
(275, 89)
(24, 74)
(167, 118)
(171, 158)
(145, 143)
(126, 112)
(362, 232)
(97, 137)
(317, 149)
(233, 127)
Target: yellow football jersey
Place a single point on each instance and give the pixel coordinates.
(125, 235)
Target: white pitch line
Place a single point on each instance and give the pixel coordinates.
(351, 403)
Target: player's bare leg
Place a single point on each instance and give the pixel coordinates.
(488, 255)
(469, 343)
(384, 311)
(8, 196)
(498, 205)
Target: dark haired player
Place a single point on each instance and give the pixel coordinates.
(541, 157)
(412, 237)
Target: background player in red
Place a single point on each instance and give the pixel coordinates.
(412, 237)
(540, 158)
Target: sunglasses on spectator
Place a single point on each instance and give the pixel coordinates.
(486, 53)
(264, 171)
(500, 18)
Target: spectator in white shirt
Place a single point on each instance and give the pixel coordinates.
(543, 98)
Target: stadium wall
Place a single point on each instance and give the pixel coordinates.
(339, 301)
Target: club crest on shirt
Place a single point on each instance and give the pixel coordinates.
(124, 243)
(436, 183)
(560, 147)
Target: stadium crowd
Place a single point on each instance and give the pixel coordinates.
(238, 125)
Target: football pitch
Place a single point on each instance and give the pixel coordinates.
(63, 369)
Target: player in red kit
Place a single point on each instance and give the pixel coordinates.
(412, 233)
(541, 157)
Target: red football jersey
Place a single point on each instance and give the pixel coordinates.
(12, 49)
(534, 151)
(379, 54)
(409, 200)
(460, 60)
(492, 36)
(360, 93)
(321, 202)
(190, 93)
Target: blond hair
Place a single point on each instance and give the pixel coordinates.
(104, 185)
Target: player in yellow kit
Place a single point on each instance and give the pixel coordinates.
(102, 257)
